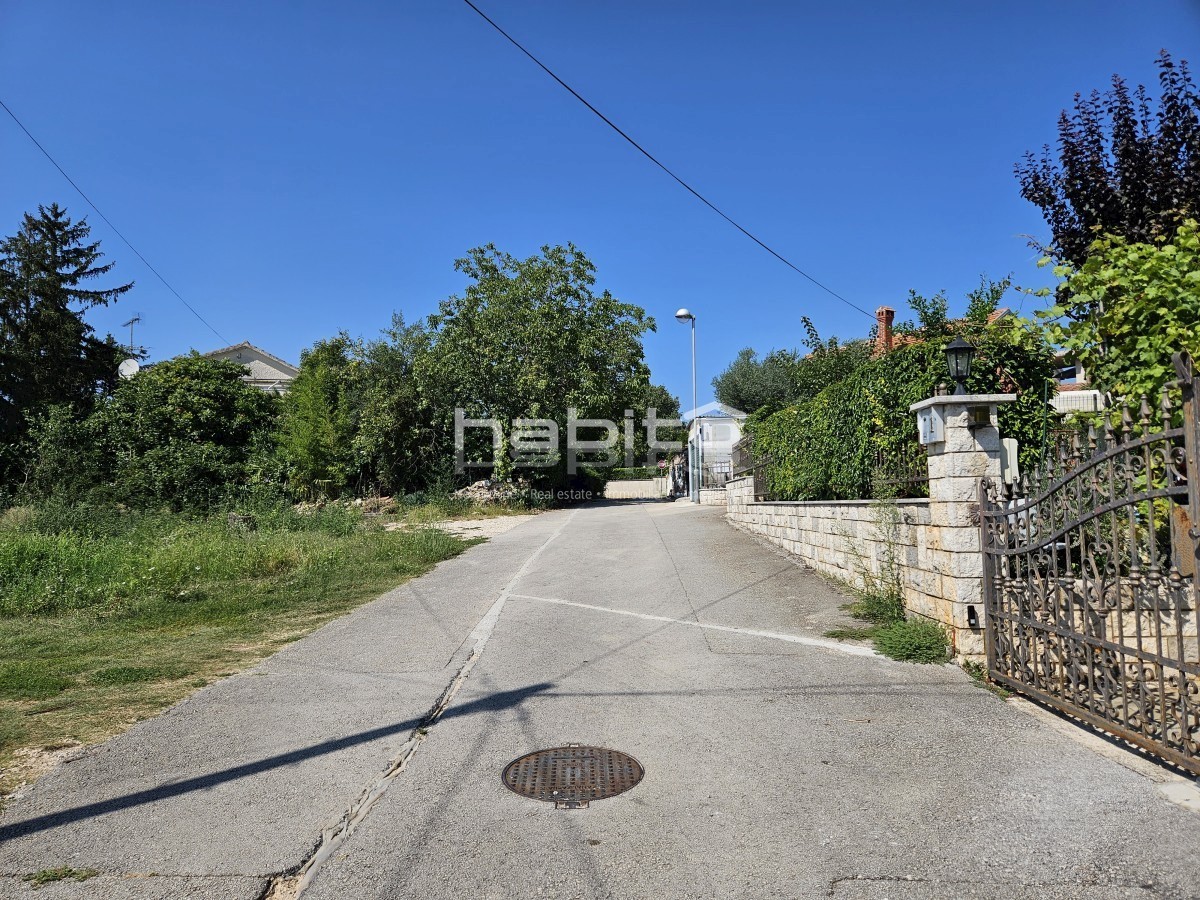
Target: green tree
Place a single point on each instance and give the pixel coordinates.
(752, 384)
(787, 376)
(316, 438)
(1120, 167)
(397, 439)
(180, 432)
(1128, 308)
(666, 406)
(828, 361)
(48, 354)
(933, 315)
(985, 299)
(531, 338)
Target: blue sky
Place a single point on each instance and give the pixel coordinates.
(298, 168)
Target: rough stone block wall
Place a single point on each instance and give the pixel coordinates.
(849, 540)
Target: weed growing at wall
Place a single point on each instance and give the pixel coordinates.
(913, 640)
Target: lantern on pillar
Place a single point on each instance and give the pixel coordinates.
(959, 356)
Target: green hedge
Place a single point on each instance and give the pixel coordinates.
(638, 473)
(827, 448)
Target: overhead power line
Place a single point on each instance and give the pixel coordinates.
(646, 153)
(116, 231)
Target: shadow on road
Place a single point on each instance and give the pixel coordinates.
(491, 703)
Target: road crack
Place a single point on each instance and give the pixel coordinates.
(291, 885)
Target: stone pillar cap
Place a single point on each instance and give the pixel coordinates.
(964, 400)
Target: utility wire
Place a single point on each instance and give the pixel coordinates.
(135, 250)
(646, 153)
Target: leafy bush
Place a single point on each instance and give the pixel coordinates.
(181, 434)
(828, 448)
(1128, 308)
(913, 640)
(637, 473)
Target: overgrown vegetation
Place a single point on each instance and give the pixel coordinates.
(831, 446)
(977, 672)
(49, 354)
(528, 338)
(108, 615)
(1128, 308)
(894, 633)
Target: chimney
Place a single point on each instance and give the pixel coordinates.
(884, 316)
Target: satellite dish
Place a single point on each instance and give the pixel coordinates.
(128, 368)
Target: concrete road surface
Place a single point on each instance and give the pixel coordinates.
(365, 760)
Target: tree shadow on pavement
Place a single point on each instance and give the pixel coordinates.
(491, 703)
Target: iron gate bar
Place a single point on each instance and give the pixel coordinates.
(1089, 573)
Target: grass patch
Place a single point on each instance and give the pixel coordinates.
(893, 632)
(62, 873)
(109, 616)
(29, 681)
(866, 633)
(446, 509)
(135, 674)
(915, 640)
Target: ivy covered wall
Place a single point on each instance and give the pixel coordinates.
(830, 447)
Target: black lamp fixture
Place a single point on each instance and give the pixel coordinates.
(959, 356)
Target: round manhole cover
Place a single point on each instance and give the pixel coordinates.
(572, 776)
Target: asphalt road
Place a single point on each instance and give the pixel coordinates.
(365, 760)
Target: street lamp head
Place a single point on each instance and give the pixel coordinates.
(684, 315)
(959, 356)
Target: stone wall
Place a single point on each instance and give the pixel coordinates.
(851, 539)
(935, 543)
(713, 497)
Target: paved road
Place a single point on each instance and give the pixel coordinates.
(776, 765)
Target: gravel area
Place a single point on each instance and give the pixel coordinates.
(484, 528)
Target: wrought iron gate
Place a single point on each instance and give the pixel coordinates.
(1090, 583)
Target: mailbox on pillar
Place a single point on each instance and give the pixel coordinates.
(931, 425)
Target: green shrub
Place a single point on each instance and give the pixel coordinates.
(829, 447)
(636, 473)
(916, 640)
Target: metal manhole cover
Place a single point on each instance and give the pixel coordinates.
(570, 777)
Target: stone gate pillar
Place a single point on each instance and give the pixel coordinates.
(962, 444)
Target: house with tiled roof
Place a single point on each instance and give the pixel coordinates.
(263, 370)
(886, 340)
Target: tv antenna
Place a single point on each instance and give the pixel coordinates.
(136, 320)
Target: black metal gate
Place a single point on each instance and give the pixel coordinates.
(1090, 580)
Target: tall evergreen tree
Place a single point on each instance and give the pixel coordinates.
(48, 354)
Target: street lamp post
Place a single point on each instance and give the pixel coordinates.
(694, 477)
